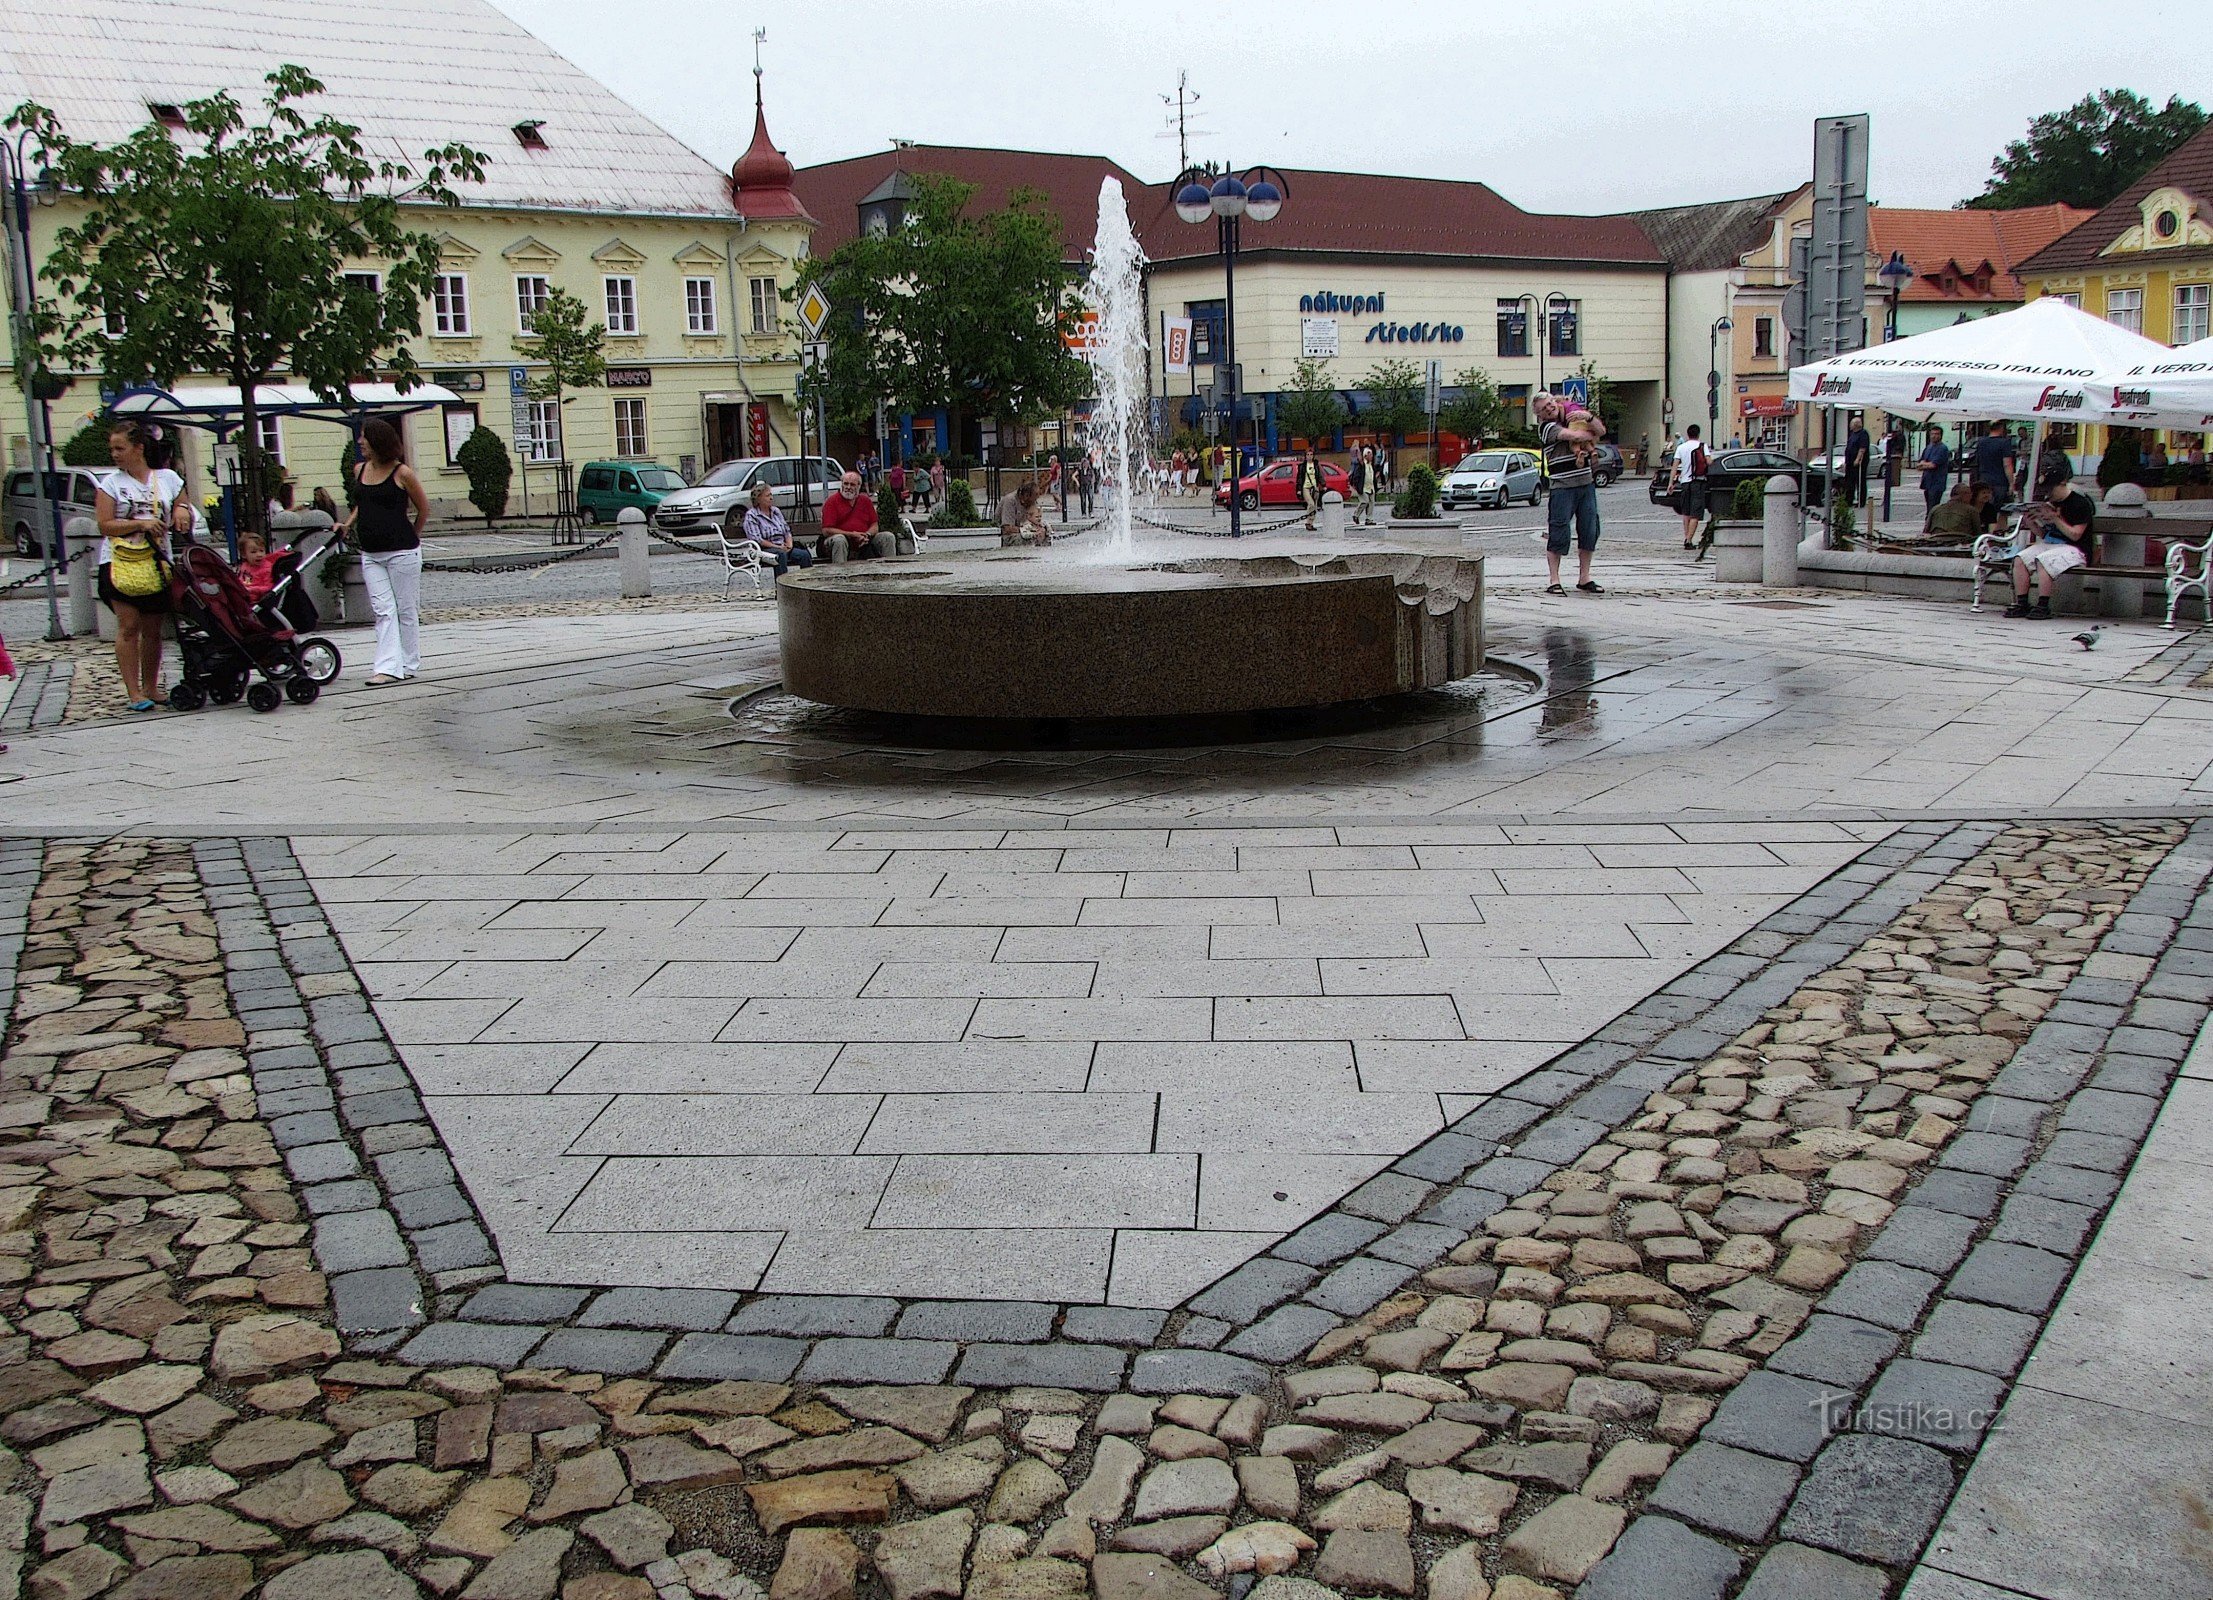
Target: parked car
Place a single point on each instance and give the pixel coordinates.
(1725, 469)
(24, 515)
(606, 488)
(1277, 484)
(1608, 466)
(707, 504)
(1493, 478)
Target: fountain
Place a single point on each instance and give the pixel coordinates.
(1099, 628)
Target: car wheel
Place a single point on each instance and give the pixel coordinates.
(1249, 500)
(591, 516)
(26, 542)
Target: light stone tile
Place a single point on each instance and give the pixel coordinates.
(750, 1069)
(1536, 912)
(728, 1125)
(1215, 885)
(439, 1021)
(981, 911)
(1532, 857)
(1422, 833)
(458, 916)
(1394, 856)
(1448, 1066)
(732, 1260)
(683, 944)
(1574, 1014)
(824, 911)
(1275, 1191)
(507, 1149)
(807, 885)
(1500, 975)
(349, 919)
(1375, 939)
(1225, 1066)
(1127, 980)
(1011, 1123)
(552, 1019)
(1406, 1016)
(981, 880)
(525, 980)
(554, 945)
(982, 979)
(935, 839)
(2198, 1064)
(674, 1194)
(1089, 856)
(1704, 853)
(593, 915)
(1429, 882)
(843, 1021)
(1161, 1269)
(489, 1069)
(1414, 905)
(449, 886)
(1041, 1191)
(1599, 881)
(1171, 911)
(1781, 880)
(867, 946)
(1213, 1119)
(398, 980)
(742, 980)
(1065, 1264)
(1282, 838)
(1092, 1019)
(973, 1066)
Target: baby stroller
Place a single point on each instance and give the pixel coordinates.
(224, 640)
(289, 605)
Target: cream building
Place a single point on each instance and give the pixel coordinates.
(684, 263)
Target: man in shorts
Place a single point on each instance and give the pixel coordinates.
(1690, 484)
(2062, 521)
(1571, 503)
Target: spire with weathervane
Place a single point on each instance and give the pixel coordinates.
(761, 181)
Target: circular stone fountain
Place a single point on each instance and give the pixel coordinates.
(1032, 636)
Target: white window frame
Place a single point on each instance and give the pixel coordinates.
(700, 318)
(765, 304)
(449, 306)
(545, 430)
(2193, 313)
(2072, 297)
(2124, 308)
(619, 291)
(114, 321)
(640, 446)
(532, 290)
(373, 280)
(272, 436)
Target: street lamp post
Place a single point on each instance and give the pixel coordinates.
(1722, 325)
(1229, 199)
(30, 373)
(1542, 335)
(1894, 275)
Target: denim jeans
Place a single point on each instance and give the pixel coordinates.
(1579, 506)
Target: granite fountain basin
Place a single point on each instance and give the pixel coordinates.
(1037, 635)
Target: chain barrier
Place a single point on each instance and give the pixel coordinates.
(39, 576)
(1211, 532)
(540, 566)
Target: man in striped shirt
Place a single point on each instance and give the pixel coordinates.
(1571, 506)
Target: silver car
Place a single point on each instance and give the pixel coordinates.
(25, 517)
(1493, 478)
(708, 504)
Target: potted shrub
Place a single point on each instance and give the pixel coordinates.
(1417, 502)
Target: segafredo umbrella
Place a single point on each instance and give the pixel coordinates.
(2172, 390)
(2046, 362)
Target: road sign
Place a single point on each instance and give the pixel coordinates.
(518, 381)
(814, 353)
(1577, 389)
(1435, 390)
(1836, 285)
(814, 310)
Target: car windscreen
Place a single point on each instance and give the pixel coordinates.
(727, 476)
(1482, 464)
(659, 479)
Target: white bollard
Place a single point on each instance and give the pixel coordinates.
(1779, 528)
(637, 558)
(81, 538)
(1333, 514)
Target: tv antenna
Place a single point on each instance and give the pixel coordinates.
(1182, 121)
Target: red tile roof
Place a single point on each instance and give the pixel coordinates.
(1326, 212)
(1950, 251)
(2189, 168)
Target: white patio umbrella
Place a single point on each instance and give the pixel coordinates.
(2174, 389)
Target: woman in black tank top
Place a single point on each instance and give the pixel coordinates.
(386, 525)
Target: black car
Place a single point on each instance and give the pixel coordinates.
(1608, 465)
(1725, 469)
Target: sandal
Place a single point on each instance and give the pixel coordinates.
(142, 705)
(1590, 586)
(1554, 588)
(380, 680)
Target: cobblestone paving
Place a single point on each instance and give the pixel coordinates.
(1747, 1304)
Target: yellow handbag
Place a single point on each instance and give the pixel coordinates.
(134, 567)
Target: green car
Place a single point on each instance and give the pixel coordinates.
(604, 488)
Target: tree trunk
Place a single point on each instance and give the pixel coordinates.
(252, 500)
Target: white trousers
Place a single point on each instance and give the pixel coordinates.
(395, 581)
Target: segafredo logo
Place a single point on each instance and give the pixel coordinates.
(2131, 399)
(1940, 389)
(1829, 383)
(2054, 398)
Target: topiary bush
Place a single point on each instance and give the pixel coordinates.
(88, 446)
(1419, 498)
(2123, 458)
(1749, 504)
(887, 507)
(483, 456)
(959, 508)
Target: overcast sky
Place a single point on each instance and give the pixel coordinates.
(1577, 105)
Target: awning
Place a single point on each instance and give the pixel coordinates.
(2174, 390)
(222, 406)
(2047, 362)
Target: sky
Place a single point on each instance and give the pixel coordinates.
(1594, 105)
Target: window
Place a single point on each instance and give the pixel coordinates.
(763, 291)
(460, 422)
(2124, 308)
(1564, 322)
(1206, 331)
(1763, 336)
(630, 426)
(1513, 328)
(699, 305)
(367, 285)
(114, 321)
(272, 441)
(2191, 304)
(2074, 300)
(622, 305)
(627, 482)
(449, 305)
(542, 438)
(531, 294)
(530, 135)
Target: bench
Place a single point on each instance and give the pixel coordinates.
(2119, 571)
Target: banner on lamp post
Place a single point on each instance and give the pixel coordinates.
(1175, 344)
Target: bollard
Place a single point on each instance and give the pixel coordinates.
(1333, 514)
(81, 538)
(637, 560)
(1779, 529)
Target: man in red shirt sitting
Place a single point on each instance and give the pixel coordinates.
(849, 526)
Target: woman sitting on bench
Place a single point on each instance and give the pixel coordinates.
(2060, 522)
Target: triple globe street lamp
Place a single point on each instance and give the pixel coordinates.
(1229, 199)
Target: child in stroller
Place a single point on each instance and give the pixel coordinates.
(226, 638)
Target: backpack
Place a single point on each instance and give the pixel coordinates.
(1698, 462)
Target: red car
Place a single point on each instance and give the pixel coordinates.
(1277, 484)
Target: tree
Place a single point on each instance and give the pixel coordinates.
(1477, 413)
(483, 456)
(1310, 407)
(229, 250)
(572, 347)
(946, 310)
(2089, 153)
(1395, 392)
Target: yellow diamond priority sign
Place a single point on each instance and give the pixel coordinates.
(814, 310)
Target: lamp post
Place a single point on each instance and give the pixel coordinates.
(38, 387)
(1543, 336)
(1229, 199)
(1894, 275)
(1722, 325)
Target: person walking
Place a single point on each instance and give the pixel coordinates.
(896, 476)
(1361, 477)
(1690, 484)
(1571, 498)
(386, 526)
(937, 483)
(1935, 462)
(138, 507)
(1310, 484)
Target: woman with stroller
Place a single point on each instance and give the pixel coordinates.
(386, 526)
(139, 507)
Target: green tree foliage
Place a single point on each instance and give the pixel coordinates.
(483, 457)
(226, 251)
(1394, 399)
(1310, 407)
(1476, 413)
(573, 347)
(2089, 153)
(964, 312)
(1419, 497)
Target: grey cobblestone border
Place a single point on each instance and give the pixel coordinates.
(19, 872)
(41, 696)
(2181, 664)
